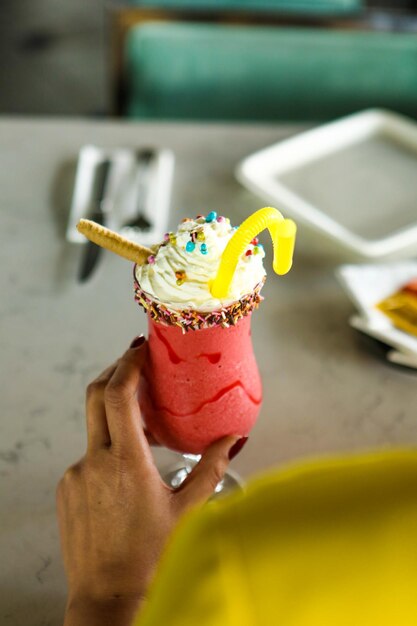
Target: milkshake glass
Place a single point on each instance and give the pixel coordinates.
(201, 380)
(199, 288)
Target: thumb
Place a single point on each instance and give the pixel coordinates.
(209, 471)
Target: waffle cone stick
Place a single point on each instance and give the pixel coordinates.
(114, 242)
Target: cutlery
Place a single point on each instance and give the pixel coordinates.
(143, 159)
(92, 252)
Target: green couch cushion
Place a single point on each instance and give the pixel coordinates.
(308, 7)
(215, 72)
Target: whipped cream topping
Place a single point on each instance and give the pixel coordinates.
(180, 272)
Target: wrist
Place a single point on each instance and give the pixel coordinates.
(117, 611)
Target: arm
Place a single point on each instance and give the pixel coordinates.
(116, 612)
(114, 511)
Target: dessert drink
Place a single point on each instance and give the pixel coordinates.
(199, 288)
(201, 380)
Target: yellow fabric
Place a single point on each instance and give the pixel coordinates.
(325, 543)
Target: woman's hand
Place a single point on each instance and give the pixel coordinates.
(114, 511)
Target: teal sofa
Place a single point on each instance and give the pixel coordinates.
(216, 72)
(295, 7)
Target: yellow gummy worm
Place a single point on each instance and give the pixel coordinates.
(282, 233)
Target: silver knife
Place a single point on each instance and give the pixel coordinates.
(92, 251)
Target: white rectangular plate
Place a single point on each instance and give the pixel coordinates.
(353, 180)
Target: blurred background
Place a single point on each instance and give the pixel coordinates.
(295, 60)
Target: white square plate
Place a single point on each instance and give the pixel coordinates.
(354, 180)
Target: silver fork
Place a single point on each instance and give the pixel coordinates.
(143, 160)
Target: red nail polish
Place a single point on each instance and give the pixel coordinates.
(236, 448)
(137, 342)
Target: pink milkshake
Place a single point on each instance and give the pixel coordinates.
(201, 381)
(200, 386)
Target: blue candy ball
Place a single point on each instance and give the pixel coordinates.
(203, 248)
(211, 216)
(190, 247)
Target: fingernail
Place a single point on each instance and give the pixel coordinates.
(237, 446)
(137, 342)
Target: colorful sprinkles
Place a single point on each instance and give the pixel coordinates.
(189, 319)
(181, 276)
(198, 235)
(211, 217)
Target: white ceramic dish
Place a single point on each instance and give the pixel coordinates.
(389, 335)
(366, 285)
(402, 359)
(353, 180)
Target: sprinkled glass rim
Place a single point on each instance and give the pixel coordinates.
(191, 319)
